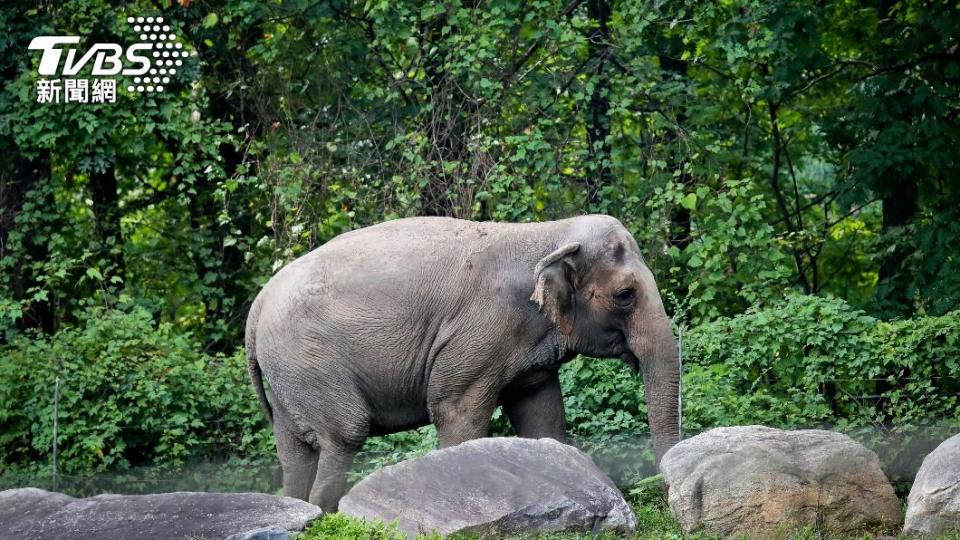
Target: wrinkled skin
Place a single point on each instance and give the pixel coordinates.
(437, 320)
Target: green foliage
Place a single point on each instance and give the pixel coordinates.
(758, 150)
(606, 414)
(803, 362)
(341, 527)
(131, 392)
(745, 144)
(930, 266)
(379, 452)
(134, 392)
(736, 261)
(811, 361)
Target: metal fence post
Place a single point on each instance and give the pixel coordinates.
(56, 407)
(680, 385)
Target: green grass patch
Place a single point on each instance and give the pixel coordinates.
(341, 527)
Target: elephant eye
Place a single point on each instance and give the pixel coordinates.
(624, 297)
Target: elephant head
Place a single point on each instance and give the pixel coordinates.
(603, 298)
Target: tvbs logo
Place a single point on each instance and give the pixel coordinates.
(149, 63)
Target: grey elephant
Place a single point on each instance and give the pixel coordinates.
(438, 320)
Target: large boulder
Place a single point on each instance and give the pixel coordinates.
(35, 514)
(494, 486)
(758, 481)
(933, 506)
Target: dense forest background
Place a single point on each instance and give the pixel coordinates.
(790, 169)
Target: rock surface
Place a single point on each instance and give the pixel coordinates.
(933, 506)
(263, 533)
(35, 514)
(757, 481)
(494, 486)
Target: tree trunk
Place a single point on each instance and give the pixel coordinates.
(899, 191)
(598, 172)
(227, 296)
(893, 285)
(106, 216)
(673, 67)
(19, 178)
(453, 114)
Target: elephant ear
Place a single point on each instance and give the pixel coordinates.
(554, 277)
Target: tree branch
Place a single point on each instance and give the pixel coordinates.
(778, 195)
(842, 65)
(508, 77)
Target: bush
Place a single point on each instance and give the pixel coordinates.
(131, 392)
(815, 361)
(136, 392)
(806, 362)
(607, 415)
(386, 450)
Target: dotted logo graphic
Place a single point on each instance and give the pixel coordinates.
(167, 55)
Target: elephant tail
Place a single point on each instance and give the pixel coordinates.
(256, 374)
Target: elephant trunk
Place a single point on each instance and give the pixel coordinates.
(655, 347)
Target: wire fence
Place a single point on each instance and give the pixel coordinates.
(56, 418)
(680, 383)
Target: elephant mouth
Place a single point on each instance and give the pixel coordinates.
(631, 360)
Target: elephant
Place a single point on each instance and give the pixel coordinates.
(440, 320)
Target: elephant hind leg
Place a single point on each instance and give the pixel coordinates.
(537, 411)
(331, 476)
(298, 460)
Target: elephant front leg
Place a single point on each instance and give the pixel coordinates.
(536, 411)
(462, 416)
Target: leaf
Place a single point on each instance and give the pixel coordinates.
(94, 273)
(210, 20)
(689, 201)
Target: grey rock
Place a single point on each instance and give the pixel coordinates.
(493, 486)
(29, 505)
(933, 506)
(34, 514)
(758, 481)
(263, 533)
